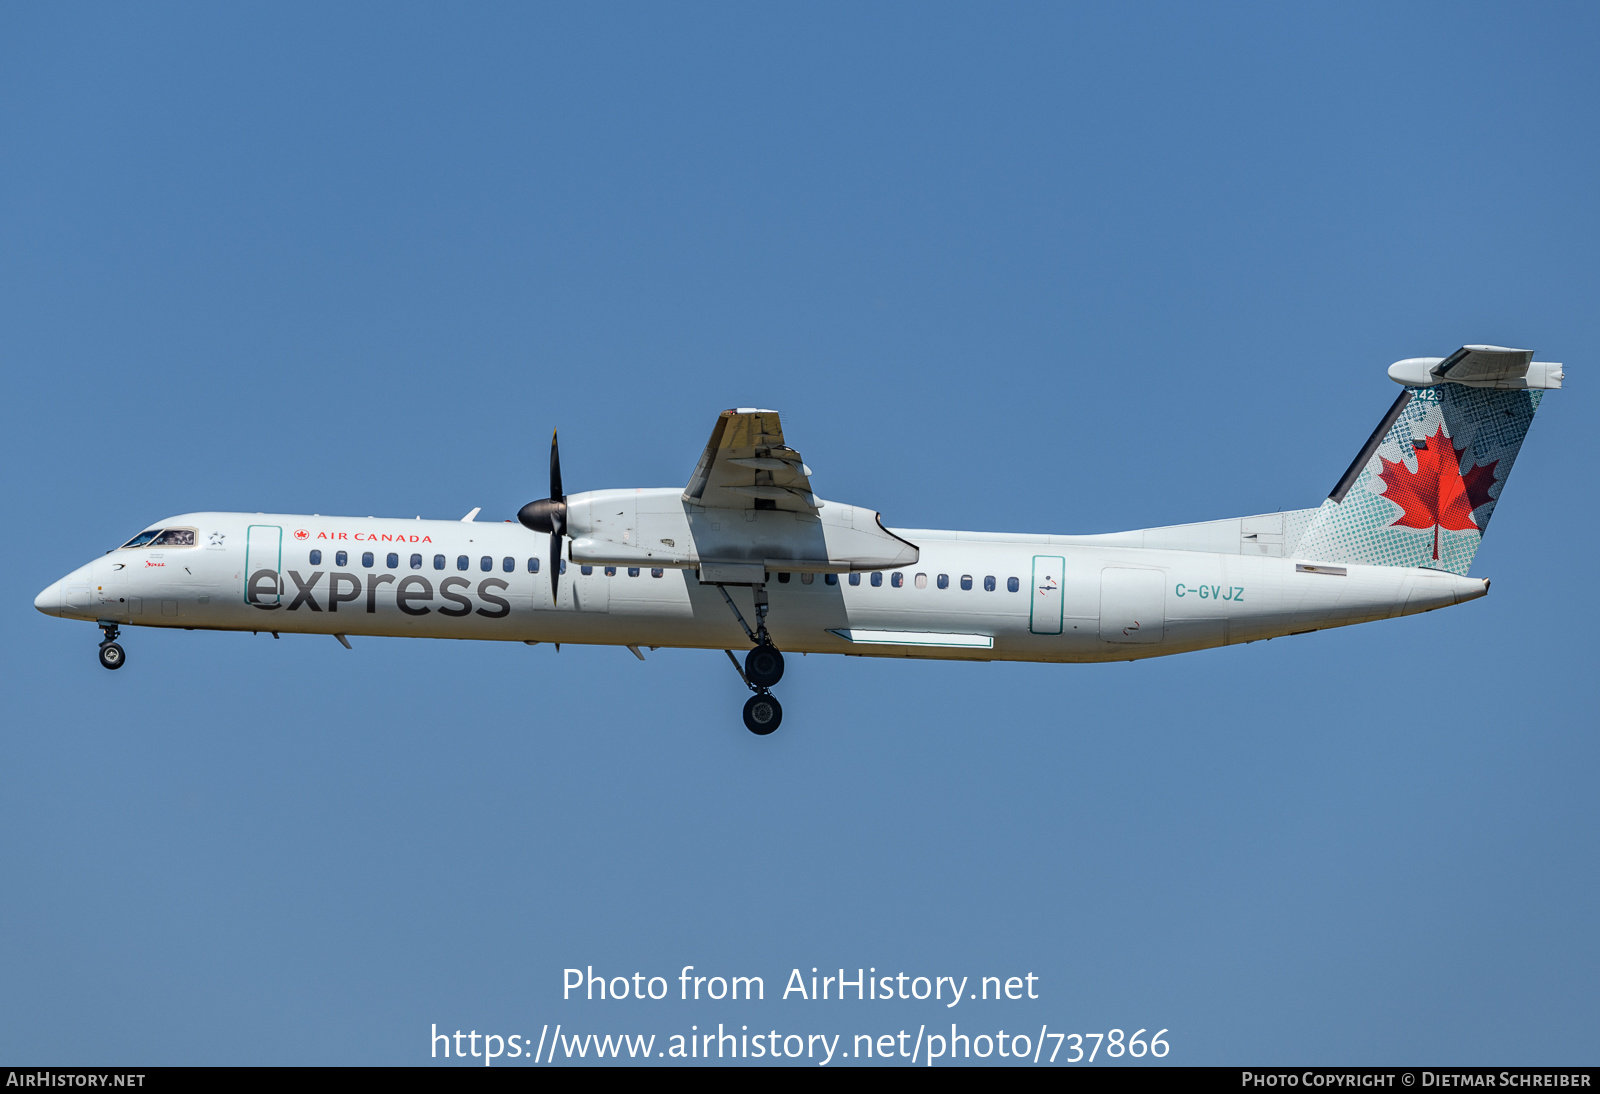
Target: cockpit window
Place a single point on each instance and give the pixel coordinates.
(157, 537)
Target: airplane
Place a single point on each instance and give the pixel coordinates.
(748, 554)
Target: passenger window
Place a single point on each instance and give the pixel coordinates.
(633, 571)
(966, 582)
(922, 581)
(175, 537)
(807, 579)
(393, 561)
(438, 562)
(342, 558)
(533, 565)
(657, 571)
(944, 581)
(316, 558)
(366, 559)
(877, 579)
(855, 579)
(486, 564)
(416, 562)
(898, 579)
(611, 571)
(462, 562)
(988, 584)
(508, 564)
(1012, 584)
(830, 579)
(586, 570)
(563, 566)
(783, 579)
(143, 538)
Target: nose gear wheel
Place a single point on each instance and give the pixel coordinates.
(111, 654)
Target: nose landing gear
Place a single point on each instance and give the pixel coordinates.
(111, 655)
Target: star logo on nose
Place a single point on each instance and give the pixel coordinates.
(216, 539)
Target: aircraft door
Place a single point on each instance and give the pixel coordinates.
(263, 553)
(1132, 605)
(1049, 575)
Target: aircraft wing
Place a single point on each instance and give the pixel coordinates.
(747, 465)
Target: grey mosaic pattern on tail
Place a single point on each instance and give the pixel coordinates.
(1484, 426)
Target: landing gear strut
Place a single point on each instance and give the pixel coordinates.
(763, 667)
(111, 655)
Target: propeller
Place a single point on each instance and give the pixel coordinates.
(549, 515)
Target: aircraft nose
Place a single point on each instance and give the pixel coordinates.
(49, 601)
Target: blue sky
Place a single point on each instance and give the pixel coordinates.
(1040, 268)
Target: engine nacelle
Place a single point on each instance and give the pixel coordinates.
(658, 528)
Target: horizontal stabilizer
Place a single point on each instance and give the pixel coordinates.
(1479, 366)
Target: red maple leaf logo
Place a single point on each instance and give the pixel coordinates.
(1436, 495)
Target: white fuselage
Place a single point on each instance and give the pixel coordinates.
(1072, 602)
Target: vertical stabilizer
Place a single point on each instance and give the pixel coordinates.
(1422, 489)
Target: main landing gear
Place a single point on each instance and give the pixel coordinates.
(762, 713)
(763, 668)
(111, 655)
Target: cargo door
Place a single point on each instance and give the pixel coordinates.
(263, 555)
(1049, 575)
(1132, 605)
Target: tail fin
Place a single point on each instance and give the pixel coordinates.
(1422, 489)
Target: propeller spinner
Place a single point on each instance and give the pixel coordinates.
(549, 515)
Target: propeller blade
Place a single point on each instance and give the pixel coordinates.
(555, 469)
(549, 515)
